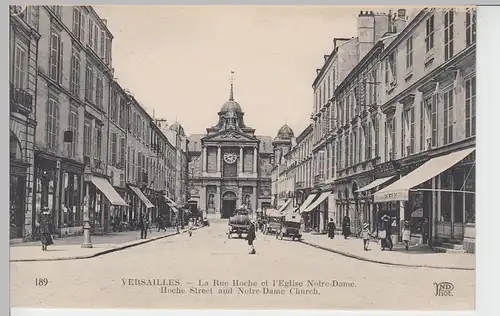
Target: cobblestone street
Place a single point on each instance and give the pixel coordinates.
(209, 255)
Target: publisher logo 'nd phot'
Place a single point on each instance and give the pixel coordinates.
(443, 289)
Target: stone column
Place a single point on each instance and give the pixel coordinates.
(255, 160)
(240, 196)
(218, 159)
(204, 167)
(218, 205)
(241, 160)
(203, 198)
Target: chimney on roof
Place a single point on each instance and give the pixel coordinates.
(105, 22)
(318, 71)
(326, 57)
(400, 20)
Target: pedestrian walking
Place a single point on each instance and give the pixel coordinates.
(365, 234)
(190, 227)
(386, 242)
(250, 238)
(143, 225)
(331, 229)
(406, 233)
(44, 223)
(346, 227)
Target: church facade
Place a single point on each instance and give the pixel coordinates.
(230, 165)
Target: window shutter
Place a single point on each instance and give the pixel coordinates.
(82, 27)
(47, 123)
(76, 17)
(90, 32)
(56, 112)
(61, 53)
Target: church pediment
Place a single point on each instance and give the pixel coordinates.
(231, 135)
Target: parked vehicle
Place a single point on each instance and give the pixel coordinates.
(274, 218)
(290, 227)
(239, 223)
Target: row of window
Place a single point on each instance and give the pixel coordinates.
(98, 40)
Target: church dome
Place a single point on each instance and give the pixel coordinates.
(231, 105)
(285, 132)
(178, 128)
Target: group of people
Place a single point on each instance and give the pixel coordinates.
(385, 231)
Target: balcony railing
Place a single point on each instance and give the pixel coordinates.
(20, 100)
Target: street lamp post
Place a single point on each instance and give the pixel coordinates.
(87, 175)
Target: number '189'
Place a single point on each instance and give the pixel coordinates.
(41, 281)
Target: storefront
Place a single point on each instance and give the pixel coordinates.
(433, 196)
(70, 216)
(18, 175)
(316, 213)
(369, 211)
(141, 204)
(102, 197)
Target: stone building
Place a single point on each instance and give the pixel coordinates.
(331, 115)
(74, 73)
(117, 144)
(282, 179)
(23, 48)
(428, 126)
(139, 156)
(230, 165)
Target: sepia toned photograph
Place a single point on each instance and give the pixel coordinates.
(242, 157)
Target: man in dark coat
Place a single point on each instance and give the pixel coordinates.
(386, 225)
(143, 225)
(331, 229)
(250, 238)
(346, 227)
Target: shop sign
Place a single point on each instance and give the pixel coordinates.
(391, 196)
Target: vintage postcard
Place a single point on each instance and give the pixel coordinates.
(242, 157)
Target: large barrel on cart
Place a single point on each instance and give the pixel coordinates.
(239, 223)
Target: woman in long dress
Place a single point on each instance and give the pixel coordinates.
(45, 221)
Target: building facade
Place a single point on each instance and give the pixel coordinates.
(428, 101)
(230, 165)
(331, 117)
(139, 156)
(74, 73)
(117, 145)
(23, 50)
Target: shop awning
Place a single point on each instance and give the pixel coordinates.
(306, 203)
(283, 207)
(321, 198)
(374, 184)
(142, 197)
(107, 189)
(399, 190)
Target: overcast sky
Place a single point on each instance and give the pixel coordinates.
(177, 60)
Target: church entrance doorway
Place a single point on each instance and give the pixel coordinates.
(228, 204)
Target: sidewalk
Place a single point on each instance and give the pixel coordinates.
(69, 248)
(415, 257)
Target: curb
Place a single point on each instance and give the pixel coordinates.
(350, 255)
(142, 242)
